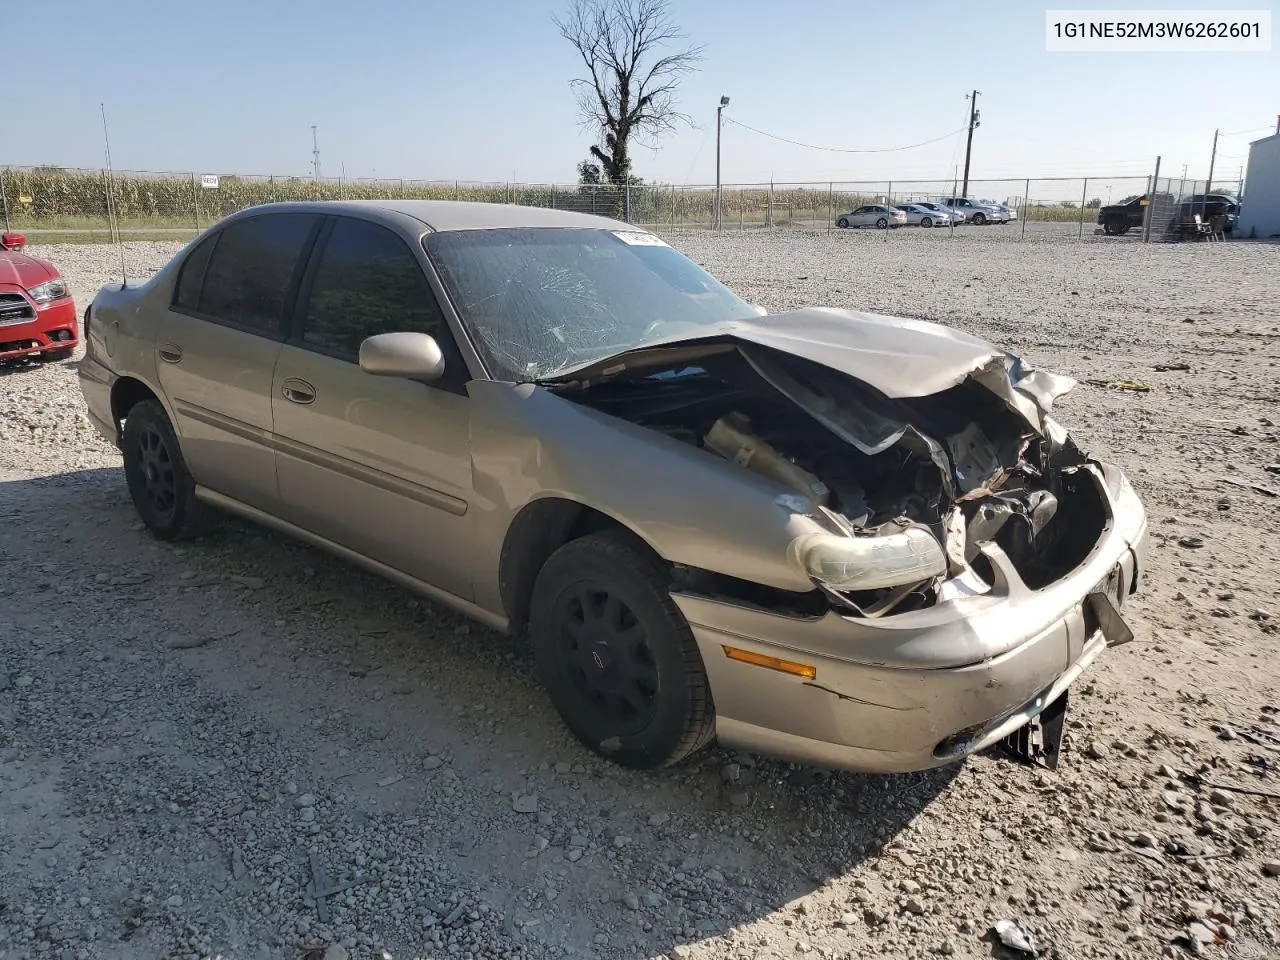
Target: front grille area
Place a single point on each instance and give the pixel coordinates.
(15, 308)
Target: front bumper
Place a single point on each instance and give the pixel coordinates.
(921, 689)
(53, 327)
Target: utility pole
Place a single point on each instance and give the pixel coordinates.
(315, 154)
(1208, 184)
(968, 147)
(724, 102)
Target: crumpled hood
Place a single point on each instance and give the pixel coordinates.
(897, 356)
(21, 270)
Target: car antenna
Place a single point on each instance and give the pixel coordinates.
(112, 220)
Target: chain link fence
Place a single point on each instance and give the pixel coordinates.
(55, 203)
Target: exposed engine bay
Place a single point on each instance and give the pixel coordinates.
(963, 464)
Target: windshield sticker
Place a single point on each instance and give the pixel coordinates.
(638, 238)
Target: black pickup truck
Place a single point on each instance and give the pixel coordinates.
(1117, 218)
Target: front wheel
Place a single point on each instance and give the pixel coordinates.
(162, 488)
(882, 223)
(979, 218)
(842, 223)
(617, 657)
(926, 222)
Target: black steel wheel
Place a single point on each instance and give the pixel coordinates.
(616, 656)
(162, 489)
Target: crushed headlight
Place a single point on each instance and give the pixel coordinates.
(50, 290)
(869, 563)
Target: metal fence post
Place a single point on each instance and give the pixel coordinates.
(195, 201)
(272, 178)
(768, 213)
(1026, 205)
(831, 205)
(1152, 186)
(742, 203)
(553, 196)
(4, 196)
(1083, 194)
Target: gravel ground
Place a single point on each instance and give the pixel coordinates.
(186, 731)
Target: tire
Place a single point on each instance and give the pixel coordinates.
(1116, 226)
(926, 222)
(882, 223)
(843, 223)
(628, 681)
(57, 355)
(162, 488)
(980, 218)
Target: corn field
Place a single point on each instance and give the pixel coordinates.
(84, 203)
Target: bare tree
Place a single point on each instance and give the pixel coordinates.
(629, 90)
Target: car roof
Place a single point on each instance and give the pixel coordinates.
(448, 215)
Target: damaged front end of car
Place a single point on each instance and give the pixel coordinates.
(906, 490)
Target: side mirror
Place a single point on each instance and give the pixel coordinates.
(412, 356)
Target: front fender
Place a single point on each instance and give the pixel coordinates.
(690, 506)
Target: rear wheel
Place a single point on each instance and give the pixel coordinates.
(617, 657)
(57, 355)
(162, 489)
(882, 223)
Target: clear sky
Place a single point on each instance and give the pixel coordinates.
(479, 91)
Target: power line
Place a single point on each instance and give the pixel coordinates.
(810, 146)
(1240, 133)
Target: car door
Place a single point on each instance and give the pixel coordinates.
(379, 465)
(863, 217)
(217, 346)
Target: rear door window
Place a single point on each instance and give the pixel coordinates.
(252, 269)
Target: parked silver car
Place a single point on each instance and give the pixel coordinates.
(1010, 213)
(837, 537)
(919, 215)
(872, 215)
(975, 211)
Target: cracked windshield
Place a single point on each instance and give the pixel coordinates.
(543, 301)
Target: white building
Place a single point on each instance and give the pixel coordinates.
(1260, 206)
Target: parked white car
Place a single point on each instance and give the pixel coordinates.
(872, 215)
(957, 215)
(918, 215)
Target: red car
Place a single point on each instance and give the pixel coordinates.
(37, 314)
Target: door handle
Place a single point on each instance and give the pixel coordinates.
(298, 391)
(170, 352)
